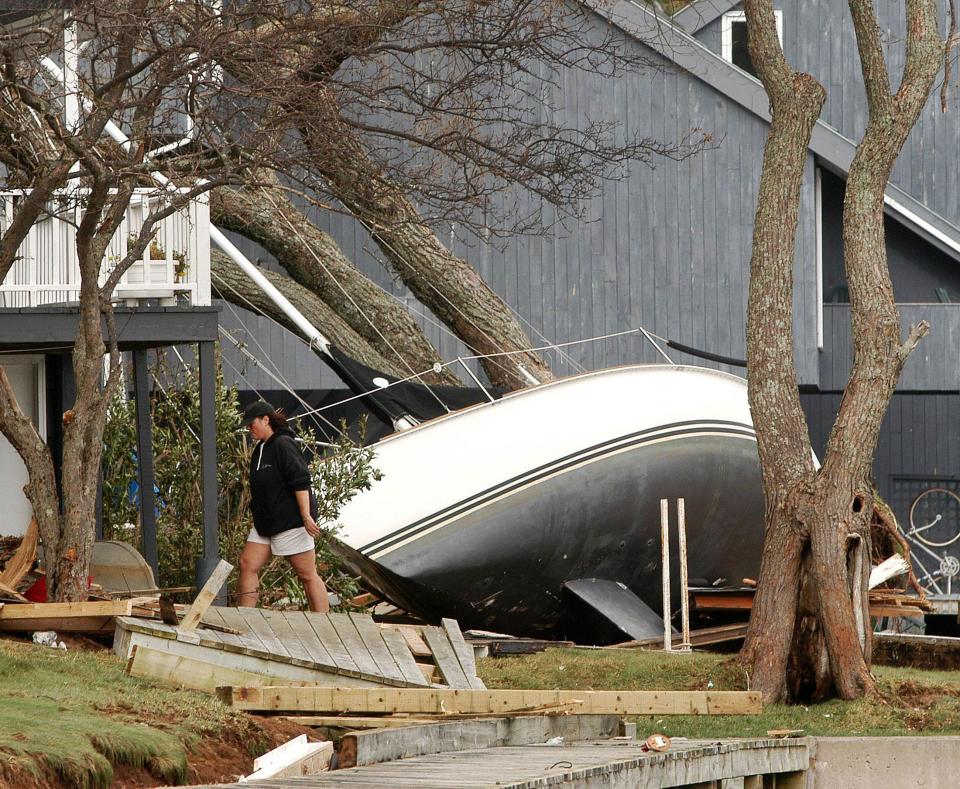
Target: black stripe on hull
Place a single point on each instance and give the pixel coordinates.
(376, 548)
(505, 562)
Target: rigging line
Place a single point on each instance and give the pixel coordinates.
(468, 358)
(380, 389)
(308, 409)
(278, 377)
(470, 320)
(443, 327)
(259, 312)
(563, 344)
(356, 306)
(159, 383)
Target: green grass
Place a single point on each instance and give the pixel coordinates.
(72, 716)
(914, 702)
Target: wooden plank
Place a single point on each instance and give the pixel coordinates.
(413, 635)
(375, 645)
(464, 653)
(445, 658)
(353, 643)
(277, 621)
(441, 701)
(293, 759)
(67, 610)
(357, 722)
(264, 633)
(12, 593)
(206, 596)
(205, 675)
(203, 668)
(298, 623)
(327, 635)
(22, 561)
(70, 624)
(401, 653)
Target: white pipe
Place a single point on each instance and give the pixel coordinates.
(312, 334)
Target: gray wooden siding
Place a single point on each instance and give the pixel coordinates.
(919, 438)
(666, 248)
(934, 365)
(818, 38)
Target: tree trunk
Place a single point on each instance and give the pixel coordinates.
(313, 259)
(446, 284)
(237, 288)
(782, 439)
(816, 558)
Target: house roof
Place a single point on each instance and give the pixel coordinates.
(833, 150)
(698, 15)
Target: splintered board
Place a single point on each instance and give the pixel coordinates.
(440, 701)
(272, 646)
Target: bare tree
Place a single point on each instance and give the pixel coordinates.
(403, 114)
(810, 620)
(412, 114)
(54, 144)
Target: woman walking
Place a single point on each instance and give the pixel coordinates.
(283, 507)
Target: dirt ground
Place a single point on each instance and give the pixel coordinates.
(219, 758)
(222, 760)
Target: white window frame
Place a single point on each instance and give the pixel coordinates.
(726, 31)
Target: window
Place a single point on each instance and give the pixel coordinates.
(734, 39)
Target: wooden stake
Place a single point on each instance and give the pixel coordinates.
(207, 595)
(684, 584)
(665, 570)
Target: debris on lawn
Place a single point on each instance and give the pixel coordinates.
(293, 759)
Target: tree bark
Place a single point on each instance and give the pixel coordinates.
(816, 557)
(878, 353)
(782, 439)
(236, 287)
(312, 258)
(443, 282)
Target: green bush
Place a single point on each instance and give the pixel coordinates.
(339, 471)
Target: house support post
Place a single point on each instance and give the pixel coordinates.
(208, 461)
(148, 508)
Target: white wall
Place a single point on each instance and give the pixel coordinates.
(26, 374)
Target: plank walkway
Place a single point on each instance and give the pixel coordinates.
(607, 764)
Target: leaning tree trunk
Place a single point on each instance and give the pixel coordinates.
(313, 259)
(237, 288)
(445, 283)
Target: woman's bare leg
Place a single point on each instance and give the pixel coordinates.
(305, 565)
(252, 558)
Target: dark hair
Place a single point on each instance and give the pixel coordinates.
(278, 420)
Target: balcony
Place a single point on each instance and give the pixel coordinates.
(174, 270)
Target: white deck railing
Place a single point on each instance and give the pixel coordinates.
(175, 268)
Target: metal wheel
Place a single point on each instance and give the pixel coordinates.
(935, 518)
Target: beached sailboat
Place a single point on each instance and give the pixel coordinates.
(493, 513)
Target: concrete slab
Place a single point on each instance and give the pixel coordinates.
(873, 762)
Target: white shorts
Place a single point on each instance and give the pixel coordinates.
(286, 543)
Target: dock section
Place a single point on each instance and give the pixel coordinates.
(594, 765)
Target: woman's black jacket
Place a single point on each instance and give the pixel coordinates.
(277, 469)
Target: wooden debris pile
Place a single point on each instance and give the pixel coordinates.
(214, 646)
